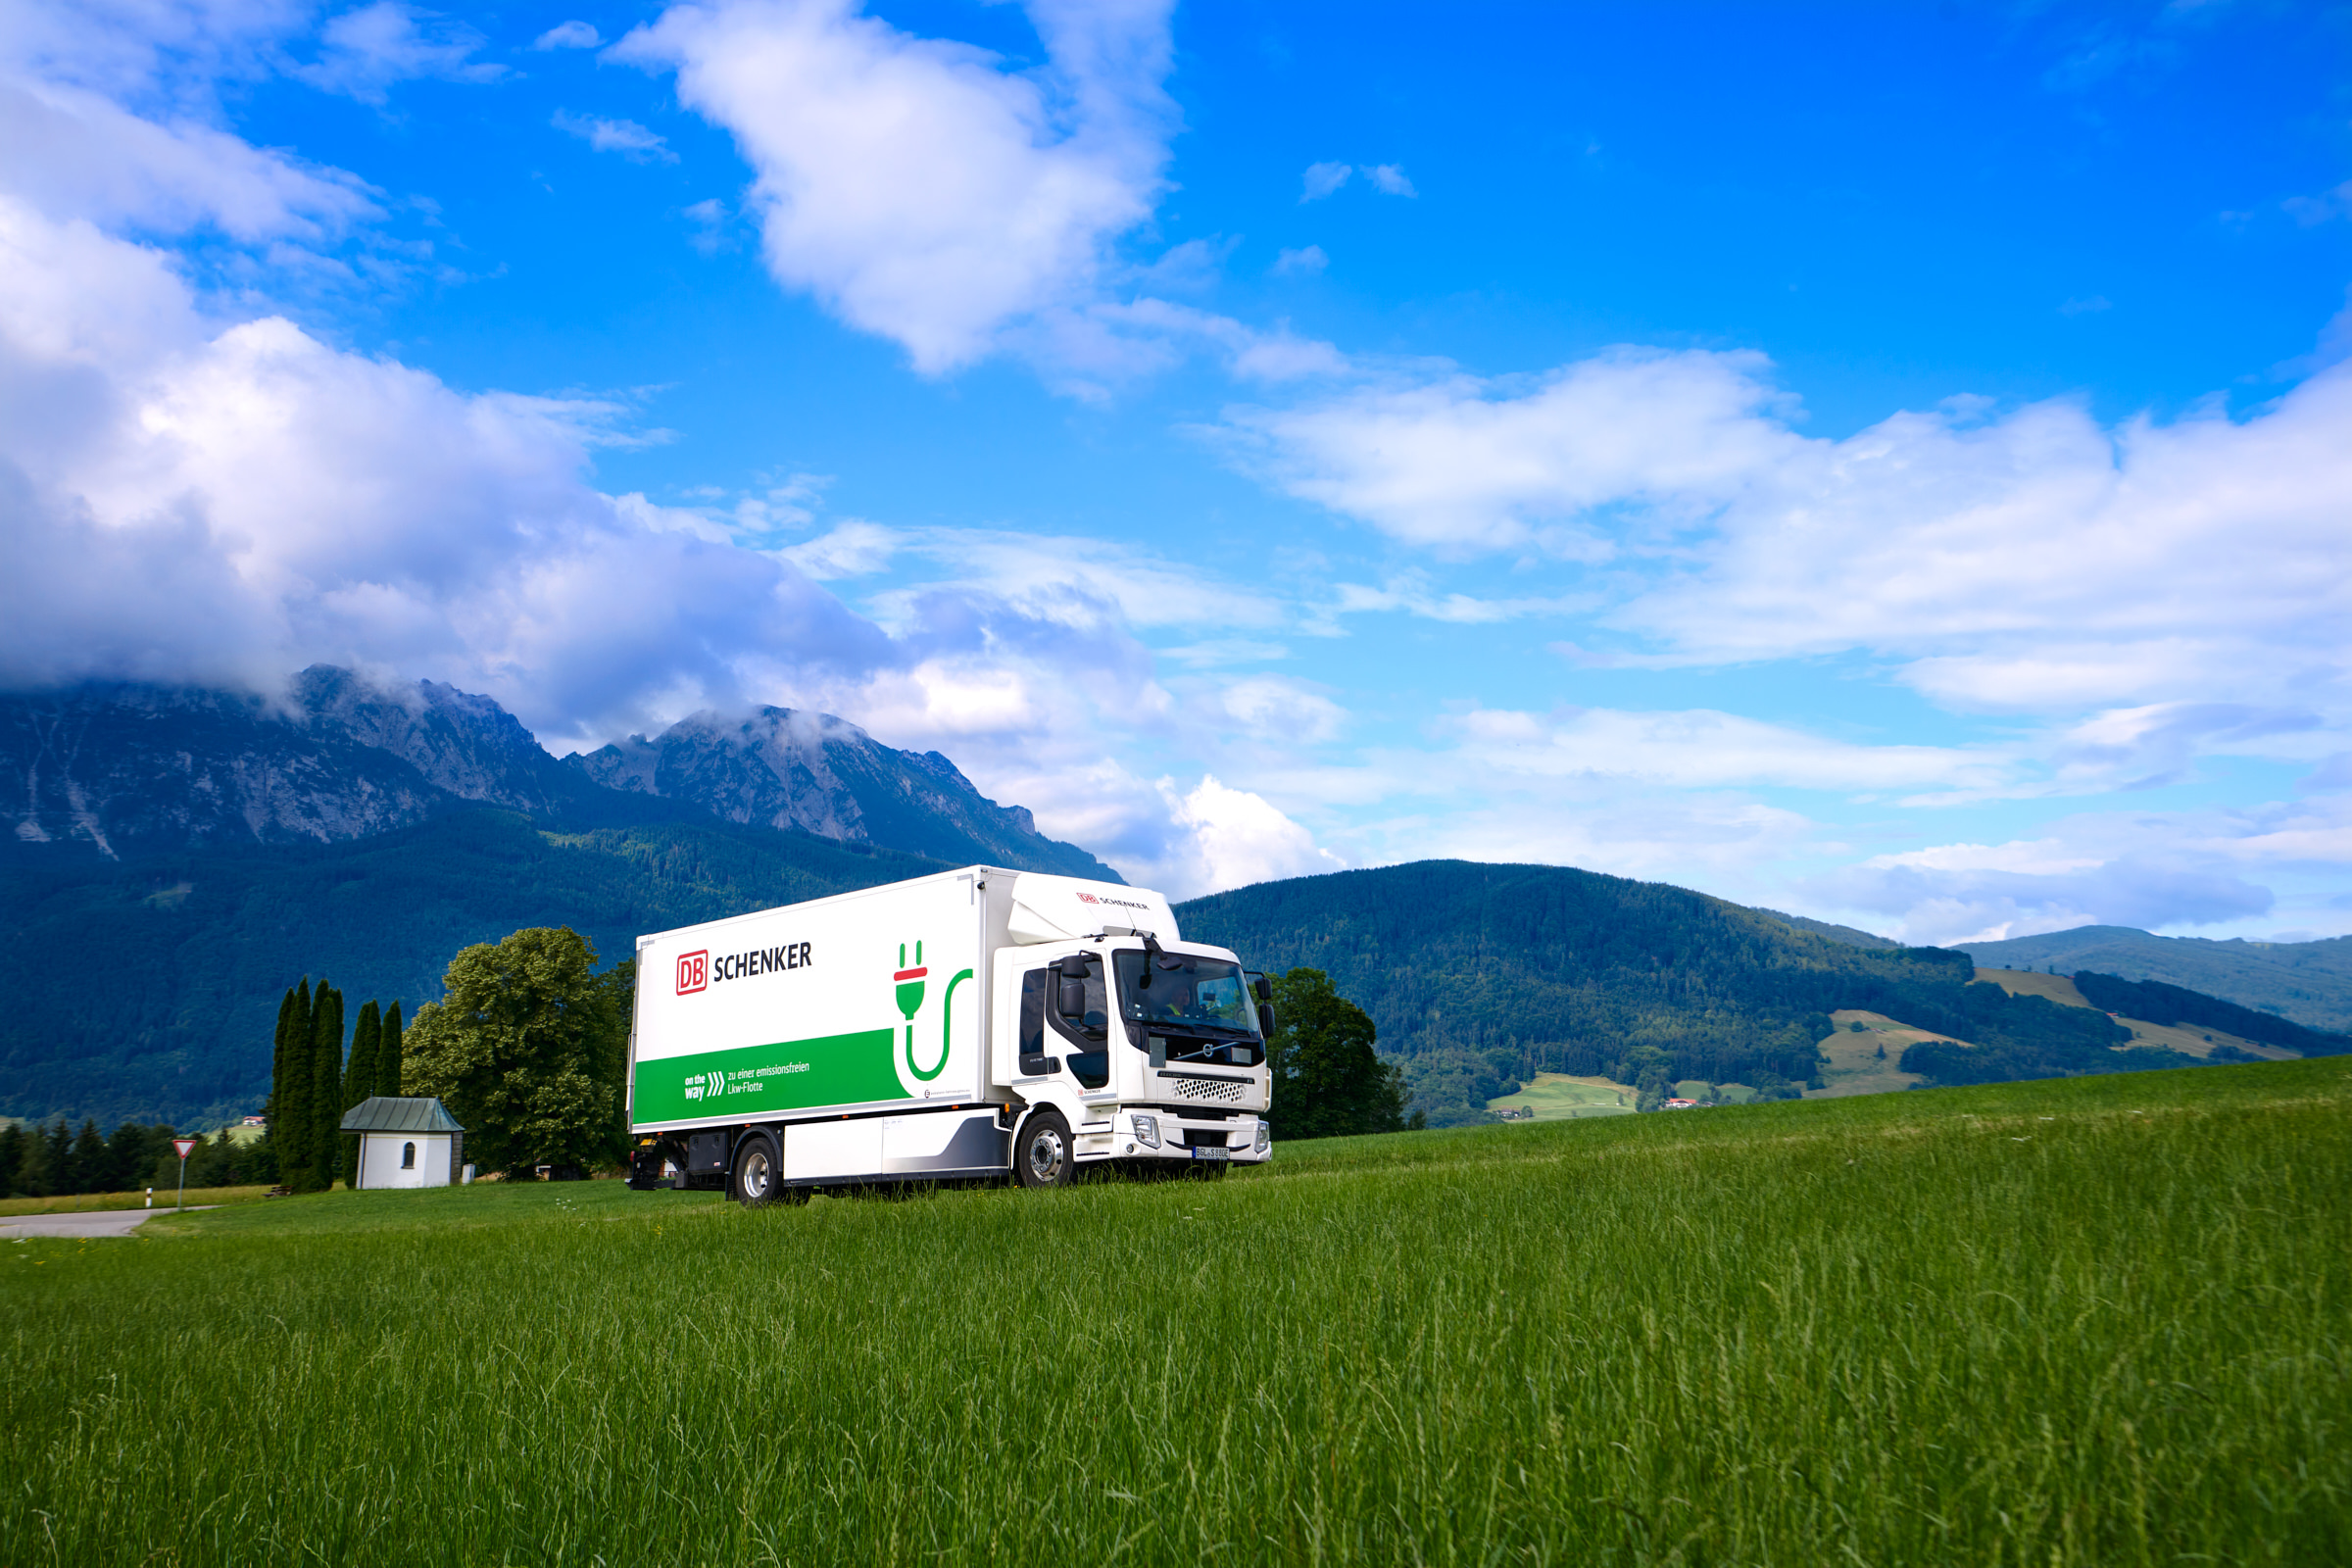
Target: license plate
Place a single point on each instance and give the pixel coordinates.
(1212, 1153)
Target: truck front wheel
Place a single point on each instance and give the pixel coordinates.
(1043, 1157)
(759, 1172)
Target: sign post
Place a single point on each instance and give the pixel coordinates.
(186, 1147)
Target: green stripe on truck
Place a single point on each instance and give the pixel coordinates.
(756, 1081)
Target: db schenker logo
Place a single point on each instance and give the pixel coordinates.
(694, 971)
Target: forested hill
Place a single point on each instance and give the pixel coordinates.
(1479, 976)
(148, 988)
(2308, 982)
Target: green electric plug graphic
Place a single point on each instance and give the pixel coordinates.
(911, 991)
(911, 1003)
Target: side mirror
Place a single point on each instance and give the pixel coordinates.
(1261, 986)
(1073, 965)
(1070, 1002)
(1266, 1020)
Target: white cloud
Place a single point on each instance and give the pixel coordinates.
(1322, 179)
(1700, 749)
(1277, 707)
(623, 136)
(917, 186)
(1081, 584)
(2033, 561)
(568, 36)
(1191, 268)
(74, 153)
(1307, 262)
(2329, 204)
(1411, 593)
(1462, 465)
(851, 549)
(1327, 180)
(1230, 838)
(188, 499)
(709, 220)
(2031, 858)
(362, 52)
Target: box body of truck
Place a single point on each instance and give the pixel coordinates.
(923, 1029)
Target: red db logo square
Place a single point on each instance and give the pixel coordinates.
(694, 971)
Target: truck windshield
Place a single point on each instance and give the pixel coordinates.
(1180, 991)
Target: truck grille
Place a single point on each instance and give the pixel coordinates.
(1183, 1085)
(1202, 1138)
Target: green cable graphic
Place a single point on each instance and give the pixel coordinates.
(947, 1025)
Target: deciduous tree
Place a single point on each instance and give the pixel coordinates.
(526, 1048)
(1328, 1080)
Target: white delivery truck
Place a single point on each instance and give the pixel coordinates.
(973, 1023)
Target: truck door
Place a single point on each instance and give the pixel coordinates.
(1083, 1046)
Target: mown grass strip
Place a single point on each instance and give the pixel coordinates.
(2094, 1321)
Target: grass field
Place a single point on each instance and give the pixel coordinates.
(2187, 1040)
(165, 1197)
(1556, 1096)
(2094, 1321)
(1852, 1062)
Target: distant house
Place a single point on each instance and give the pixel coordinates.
(405, 1141)
(1679, 1104)
(255, 1121)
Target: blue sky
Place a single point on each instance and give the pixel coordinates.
(1892, 463)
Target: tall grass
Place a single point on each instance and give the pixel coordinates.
(2100, 1321)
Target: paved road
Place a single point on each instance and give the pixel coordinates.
(94, 1223)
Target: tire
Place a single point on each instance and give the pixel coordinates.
(1044, 1156)
(758, 1176)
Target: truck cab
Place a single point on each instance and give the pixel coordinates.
(1148, 1053)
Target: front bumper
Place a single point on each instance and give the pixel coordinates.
(1183, 1141)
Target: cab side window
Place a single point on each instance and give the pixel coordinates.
(1089, 1059)
(1033, 1024)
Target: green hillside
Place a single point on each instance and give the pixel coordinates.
(2308, 982)
(2086, 1322)
(148, 989)
(1481, 976)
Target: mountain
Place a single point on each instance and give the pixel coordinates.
(127, 770)
(1479, 976)
(815, 773)
(1849, 935)
(181, 855)
(2308, 982)
(147, 987)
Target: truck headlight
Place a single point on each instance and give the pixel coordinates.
(1265, 1136)
(1146, 1130)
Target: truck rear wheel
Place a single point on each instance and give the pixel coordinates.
(1043, 1156)
(759, 1177)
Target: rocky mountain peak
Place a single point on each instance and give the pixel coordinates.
(125, 768)
(815, 773)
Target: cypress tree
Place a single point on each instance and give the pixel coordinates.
(291, 1106)
(278, 1055)
(326, 1086)
(388, 1064)
(359, 1075)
